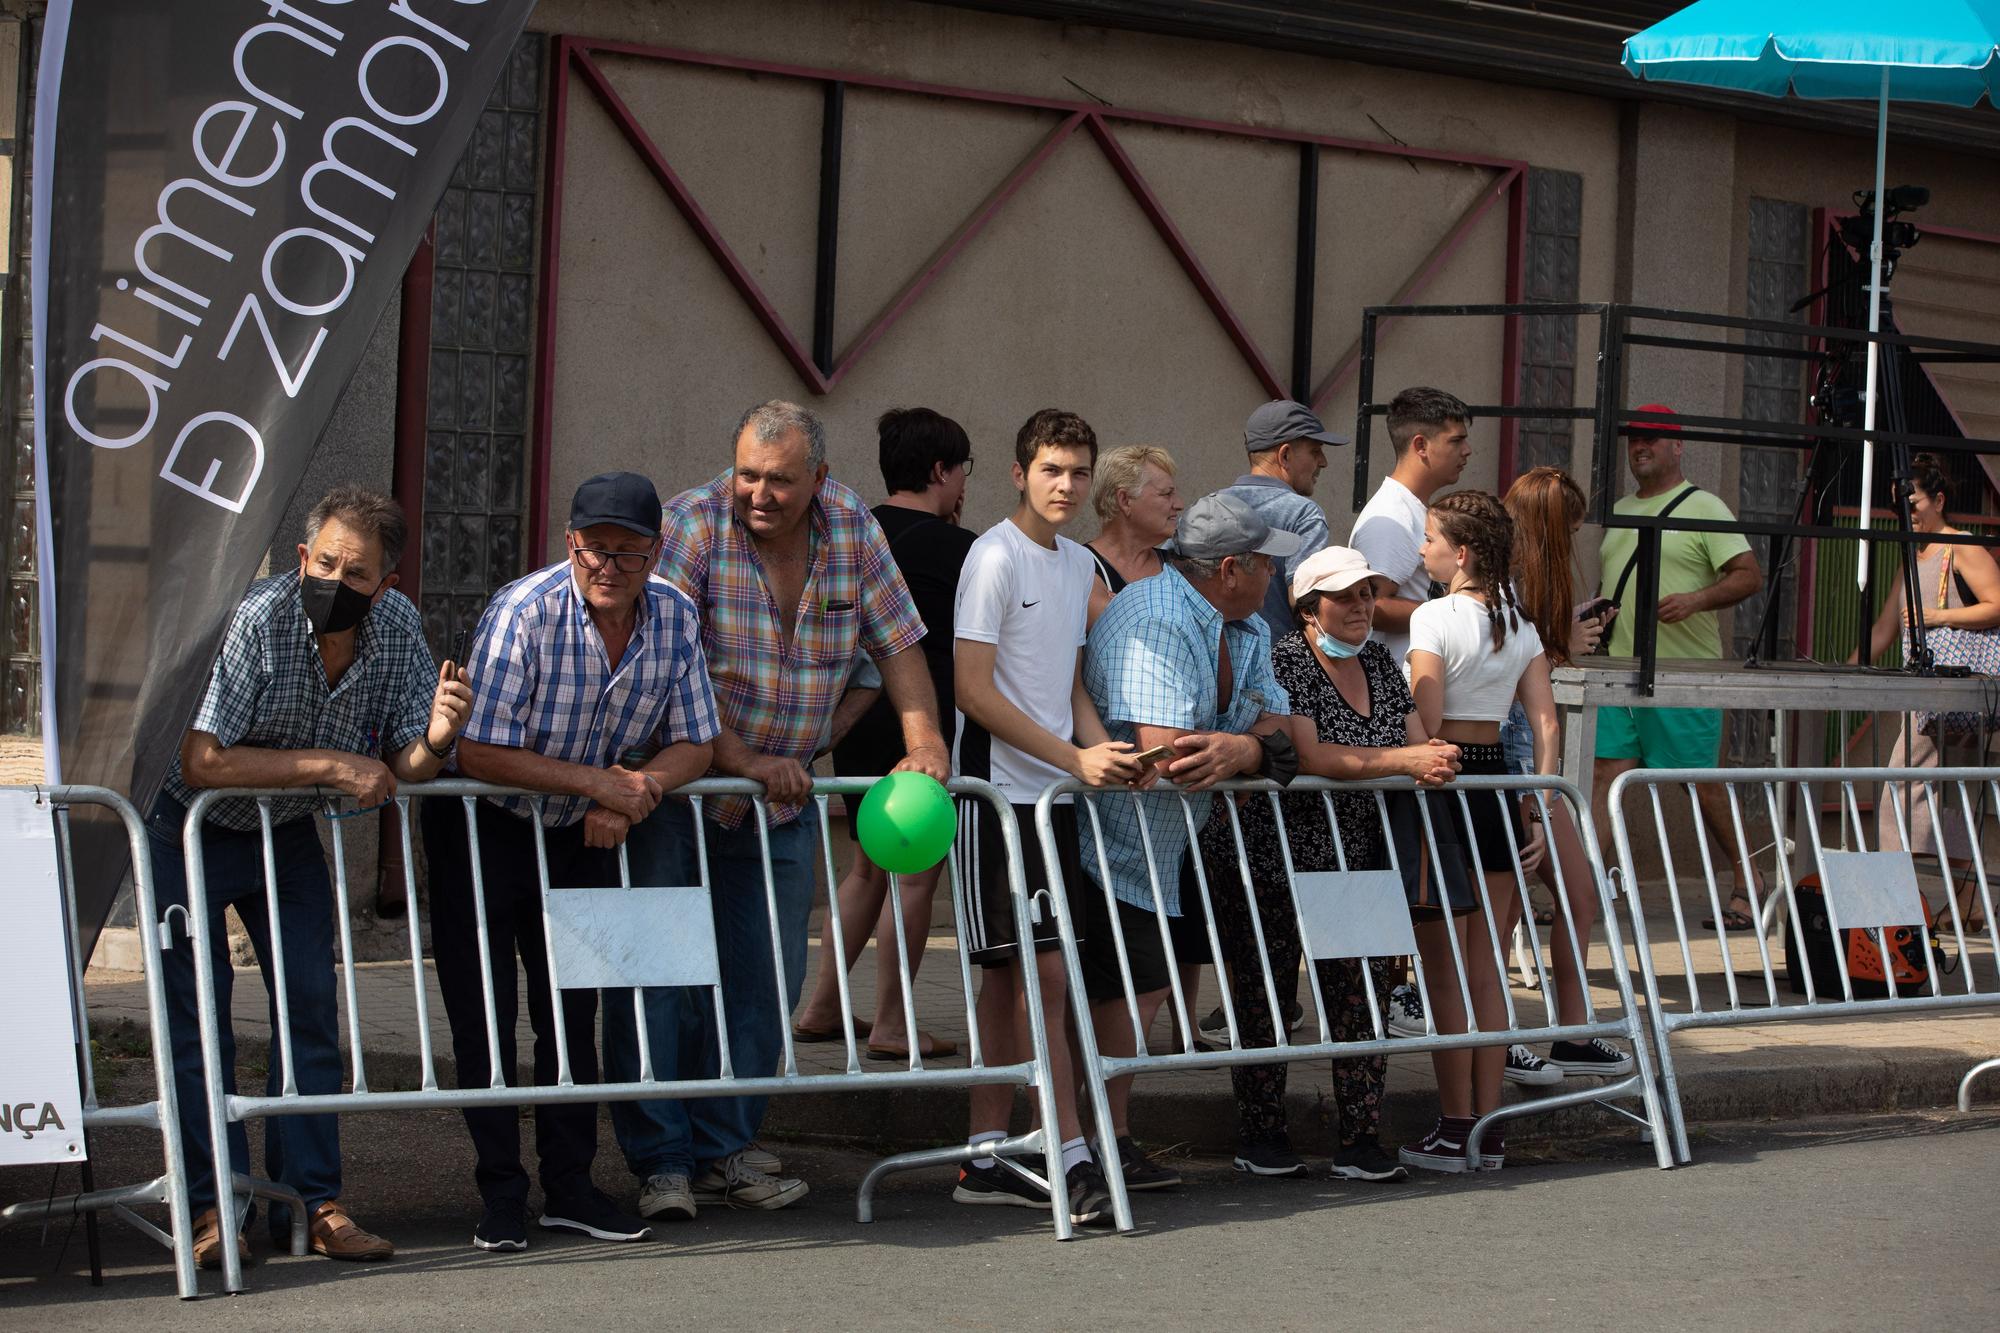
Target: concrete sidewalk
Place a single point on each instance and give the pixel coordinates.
(1785, 1070)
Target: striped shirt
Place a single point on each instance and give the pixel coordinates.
(777, 695)
(1152, 660)
(541, 680)
(268, 689)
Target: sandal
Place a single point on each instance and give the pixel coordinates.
(1731, 918)
(808, 1036)
(1545, 916)
(933, 1048)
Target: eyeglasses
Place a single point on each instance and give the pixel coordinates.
(626, 562)
(967, 465)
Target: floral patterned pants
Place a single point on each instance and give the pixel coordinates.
(1260, 1089)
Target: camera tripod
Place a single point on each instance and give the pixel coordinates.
(1829, 457)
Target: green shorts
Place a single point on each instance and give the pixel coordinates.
(1661, 737)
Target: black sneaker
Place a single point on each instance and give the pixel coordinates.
(1524, 1066)
(996, 1186)
(1364, 1159)
(593, 1214)
(1089, 1200)
(502, 1226)
(1141, 1171)
(1214, 1028)
(1596, 1056)
(1269, 1159)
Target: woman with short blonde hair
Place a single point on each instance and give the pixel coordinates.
(1136, 502)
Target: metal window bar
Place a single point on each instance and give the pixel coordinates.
(224, 1109)
(170, 1187)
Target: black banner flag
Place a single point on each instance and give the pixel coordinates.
(226, 194)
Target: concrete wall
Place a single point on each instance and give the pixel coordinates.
(1069, 297)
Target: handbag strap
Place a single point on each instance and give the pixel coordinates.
(1618, 593)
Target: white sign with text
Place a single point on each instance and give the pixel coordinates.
(41, 1103)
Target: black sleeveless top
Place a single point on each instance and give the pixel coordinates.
(1106, 571)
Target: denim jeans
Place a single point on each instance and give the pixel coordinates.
(1517, 738)
(675, 1136)
(302, 1151)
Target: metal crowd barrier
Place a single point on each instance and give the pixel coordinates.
(170, 1187)
(1870, 913)
(1350, 912)
(359, 1096)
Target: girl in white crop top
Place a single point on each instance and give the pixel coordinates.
(1471, 655)
(1472, 652)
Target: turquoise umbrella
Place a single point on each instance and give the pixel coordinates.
(1913, 50)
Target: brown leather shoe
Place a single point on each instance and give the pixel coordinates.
(208, 1241)
(335, 1235)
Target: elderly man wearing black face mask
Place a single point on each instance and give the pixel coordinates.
(323, 682)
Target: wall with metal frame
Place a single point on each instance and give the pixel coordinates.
(1022, 213)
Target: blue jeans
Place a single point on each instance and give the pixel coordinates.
(1517, 739)
(674, 1136)
(302, 1151)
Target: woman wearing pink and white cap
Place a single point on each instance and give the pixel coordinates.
(1353, 719)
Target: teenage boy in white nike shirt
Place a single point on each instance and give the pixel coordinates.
(1019, 626)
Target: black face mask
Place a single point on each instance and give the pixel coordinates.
(331, 605)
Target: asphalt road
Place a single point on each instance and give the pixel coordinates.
(1882, 1222)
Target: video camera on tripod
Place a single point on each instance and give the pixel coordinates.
(1858, 230)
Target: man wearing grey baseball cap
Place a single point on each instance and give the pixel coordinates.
(1180, 660)
(1287, 447)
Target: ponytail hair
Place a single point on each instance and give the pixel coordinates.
(1479, 523)
(1545, 504)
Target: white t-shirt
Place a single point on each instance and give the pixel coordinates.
(1033, 603)
(1479, 681)
(1389, 531)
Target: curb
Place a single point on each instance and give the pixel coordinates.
(1204, 1117)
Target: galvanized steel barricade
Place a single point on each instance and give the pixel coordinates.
(358, 1096)
(170, 1187)
(1345, 913)
(1869, 912)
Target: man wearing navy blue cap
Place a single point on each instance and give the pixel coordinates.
(590, 686)
(1287, 448)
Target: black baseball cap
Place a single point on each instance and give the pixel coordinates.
(624, 498)
(1281, 421)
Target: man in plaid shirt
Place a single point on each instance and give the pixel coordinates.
(591, 688)
(792, 576)
(324, 683)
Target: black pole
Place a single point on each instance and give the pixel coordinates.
(831, 115)
(1304, 276)
(1901, 473)
(1364, 402)
(1645, 635)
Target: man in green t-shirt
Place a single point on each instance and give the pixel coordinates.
(1700, 573)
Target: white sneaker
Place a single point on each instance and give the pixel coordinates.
(759, 1158)
(739, 1185)
(1523, 1066)
(667, 1197)
(1404, 1015)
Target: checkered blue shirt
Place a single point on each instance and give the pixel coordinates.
(541, 680)
(268, 689)
(1152, 660)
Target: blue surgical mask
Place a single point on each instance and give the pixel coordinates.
(1335, 649)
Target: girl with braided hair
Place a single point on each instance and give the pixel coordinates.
(1472, 654)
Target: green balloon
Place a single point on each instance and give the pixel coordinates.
(907, 823)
